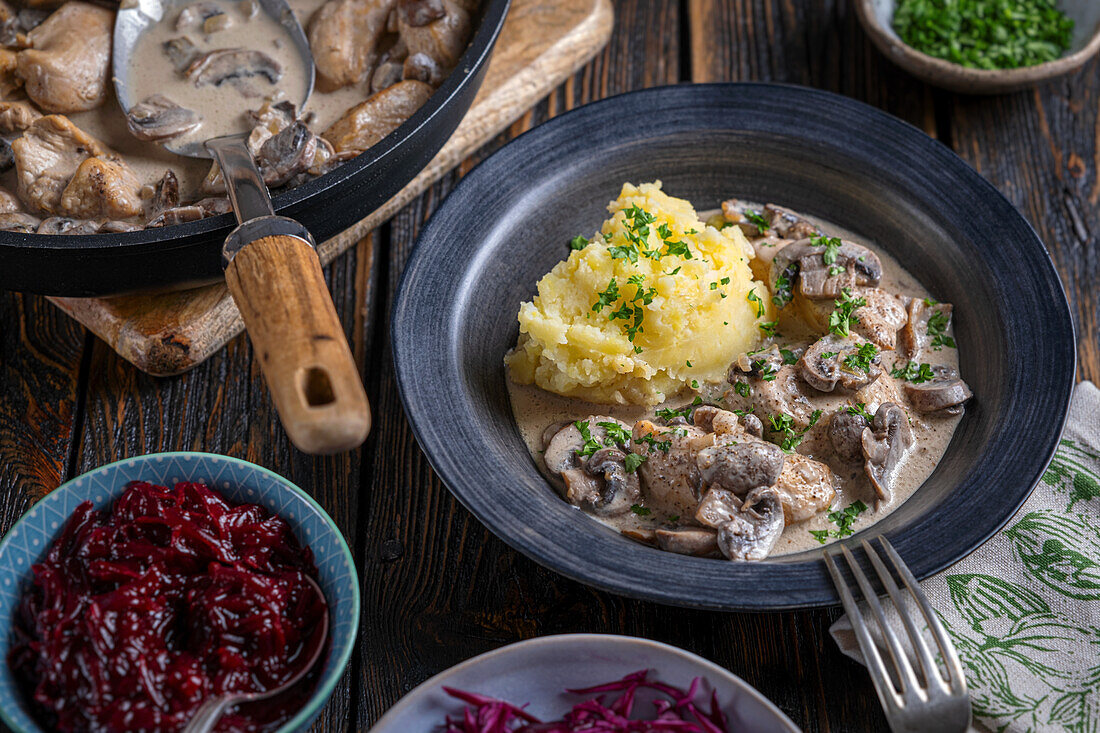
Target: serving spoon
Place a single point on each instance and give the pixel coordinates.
(270, 262)
(211, 711)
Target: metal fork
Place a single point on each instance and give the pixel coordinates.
(911, 703)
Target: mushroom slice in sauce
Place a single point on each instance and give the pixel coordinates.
(696, 541)
(592, 481)
(176, 215)
(920, 312)
(884, 446)
(166, 194)
(65, 225)
(621, 488)
(286, 154)
(742, 466)
(717, 507)
(833, 361)
(751, 533)
(236, 66)
(846, 434)
(181, 52)
(195, 15)
(945, 391)
(787, 224)
(805, 260)
(159, 118)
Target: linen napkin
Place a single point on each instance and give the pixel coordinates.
(1023, 610)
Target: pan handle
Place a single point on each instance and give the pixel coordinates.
(277, 283)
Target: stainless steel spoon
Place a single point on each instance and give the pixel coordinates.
(271, 265)
(211, 711)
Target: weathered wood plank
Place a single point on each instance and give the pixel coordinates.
(40, 356)
(1041, 148)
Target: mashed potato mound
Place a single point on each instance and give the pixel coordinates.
(655, 301)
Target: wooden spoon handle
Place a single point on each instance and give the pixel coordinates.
(280, 290)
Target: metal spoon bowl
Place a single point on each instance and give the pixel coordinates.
(211, 711)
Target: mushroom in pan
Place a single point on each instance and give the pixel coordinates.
(751, 532)
(823, 269)
(236, 66)
(159, 118)
(833, 361)
(884, 446)
(945, 391)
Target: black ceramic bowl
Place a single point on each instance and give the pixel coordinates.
(508, 222)
(190, 254)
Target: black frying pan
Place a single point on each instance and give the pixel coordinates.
(190, 254)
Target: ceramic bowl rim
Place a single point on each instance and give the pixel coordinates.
(326, 686)
(410, 373)
(409, 699)
(964, 78)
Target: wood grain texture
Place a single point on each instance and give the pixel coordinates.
(540, 45)
(278, 286)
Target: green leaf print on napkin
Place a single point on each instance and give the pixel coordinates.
(1012, 627)
(1068, 474)
(1058, 550)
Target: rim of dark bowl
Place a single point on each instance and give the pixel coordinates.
(161, 239)
(663, 577)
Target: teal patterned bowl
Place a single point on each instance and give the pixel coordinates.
(237, 480)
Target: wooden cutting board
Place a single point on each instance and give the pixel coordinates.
(542, 43)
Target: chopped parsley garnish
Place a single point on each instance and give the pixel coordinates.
(860, 409)
(843, 519)
(674, 518)
(782, 290)
(835, 270)
(628, 251)
(607, 297)
(768, 327)
(842, 318)
(783, 424)
(616, 433)
(860, 360)
(632, 461)
(789, 356)
(578, 242)
(752, 297)
(695, 384)
(985, 34)
(757, 219)
(687, 363)
(913, 372)
(767, 372)
(829, 354)
(662, 445)
(640, 510)
(742, 388)
(937, 327)
(668, 413)
(831, 245)
(714, 286)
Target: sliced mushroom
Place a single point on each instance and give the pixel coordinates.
(620, 488)
(752, 532)
(786, 224)
(194, 15)
(561, 450)
(817, 279)
(914, 335)
(176, 215)
(19, 222)
(116, 227)
(833, 362)
(741, 467)
(286, 154)
(717, 507)
(884, 446)
(240, 67)
(166, 195)
(760, 364)
(945, 391)
(694, 541)
(159, 118)
(639, 534)
(65, 225)
(181, 52)
(846, 435)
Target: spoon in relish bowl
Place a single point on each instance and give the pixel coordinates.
(211, 711)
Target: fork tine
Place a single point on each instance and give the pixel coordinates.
(947, 649)
(887, 695)
(906, 675)
(920, 646)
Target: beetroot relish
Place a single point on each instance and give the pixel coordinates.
(138, 615)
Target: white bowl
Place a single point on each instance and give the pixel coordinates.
(536, 672)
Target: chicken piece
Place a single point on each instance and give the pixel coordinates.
(805, 487)
(344, 36)
(441, 41)
(16, 116)
(102, 188)
(46, 157)
(368, 122)
(880, 318)
(9, 202)
(776, 393)
(11, 84)
(670, 476)
(68, 67)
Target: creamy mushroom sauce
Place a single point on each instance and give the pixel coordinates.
(535, 410)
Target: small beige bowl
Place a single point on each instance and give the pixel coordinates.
(876, 17)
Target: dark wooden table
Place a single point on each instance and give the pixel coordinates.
(437, 587)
